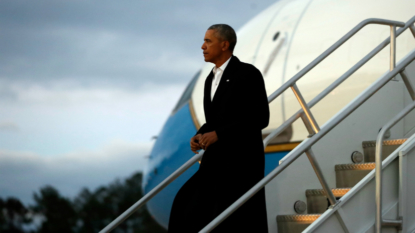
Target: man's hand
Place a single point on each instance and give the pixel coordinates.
(194, 143)
(208, 139)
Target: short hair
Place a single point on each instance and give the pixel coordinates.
(225, 33)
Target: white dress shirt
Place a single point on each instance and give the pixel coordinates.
(217, 75)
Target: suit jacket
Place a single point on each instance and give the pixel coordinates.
(236, 162)
(240, 102)
(233, 164)
(238, 112)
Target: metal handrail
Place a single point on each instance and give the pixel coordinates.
(330, 50)
(378, 169)
(152, 193)
(336, 83)
(305, 146)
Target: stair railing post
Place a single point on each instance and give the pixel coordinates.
(378, 175)
(307, 125)
(313, 128)
(393, 48)
(408, 84)
(320, 176)
(412, 28)
(306, 109)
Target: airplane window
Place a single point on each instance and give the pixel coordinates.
(187, 93)
(276, 36)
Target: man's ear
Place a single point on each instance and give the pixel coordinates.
(225, 45)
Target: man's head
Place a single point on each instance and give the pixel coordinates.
(220, 40)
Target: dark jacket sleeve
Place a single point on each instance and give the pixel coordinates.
(252, 106)
(203, 129)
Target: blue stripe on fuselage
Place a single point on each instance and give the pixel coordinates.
(170, 151)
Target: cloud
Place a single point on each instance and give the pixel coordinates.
(63, 118)
(23, 173)
(8, 126)
(126, 44)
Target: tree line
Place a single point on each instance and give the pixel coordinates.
(89, 211)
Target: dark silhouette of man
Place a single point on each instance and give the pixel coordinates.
(236, 110)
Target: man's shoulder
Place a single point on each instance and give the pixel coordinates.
(246, 67)
(249, 67)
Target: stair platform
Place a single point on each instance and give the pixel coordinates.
(369, 148)
(295, 223)
(348, 175)
(317, 201)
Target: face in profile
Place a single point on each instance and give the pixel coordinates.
(213, 47)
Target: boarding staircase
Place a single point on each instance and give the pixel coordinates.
(351, 206)
(347, 177)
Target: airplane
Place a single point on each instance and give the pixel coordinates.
(281, 41)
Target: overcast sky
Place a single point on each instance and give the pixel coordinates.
(84, 84)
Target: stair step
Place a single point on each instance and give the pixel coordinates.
(295, 223)
(369, 148)
(348, 175)
(317, 201)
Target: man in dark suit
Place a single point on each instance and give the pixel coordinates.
(236, 110)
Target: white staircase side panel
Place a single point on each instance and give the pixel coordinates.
(334, 148)
(409, 120)
(407, 187)
(388, 214)
(358, 205)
